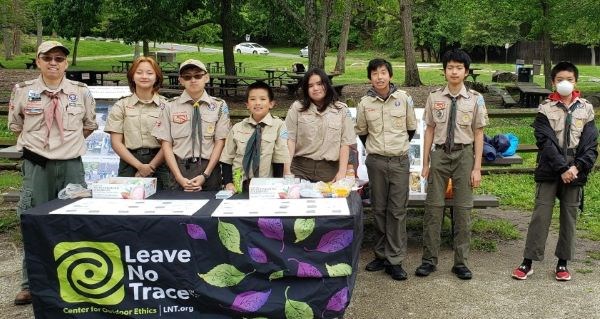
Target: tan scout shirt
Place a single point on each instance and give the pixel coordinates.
(319, 136)
(273, 146)
(26, 115)
(135, 120)
(175, 124)
(557, 115)
(386, 122)
(471, 114)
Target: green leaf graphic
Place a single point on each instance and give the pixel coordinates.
(303, 228)
(339, 270)
(230, 237)
(276, 275)
(223, 275)
(297, 309)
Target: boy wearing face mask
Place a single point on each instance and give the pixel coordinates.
(566, 137)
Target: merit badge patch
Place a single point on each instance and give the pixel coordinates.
(210, 128)
(579, 123)
(439, 105)
(34, 96)
(480, 101)
(180, 118)
(225, 108)
(283, 134)
(439, 113)
(212, 106)
(398, 103)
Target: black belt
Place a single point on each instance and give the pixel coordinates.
(190, 160)
(144, 151)
(456, 147)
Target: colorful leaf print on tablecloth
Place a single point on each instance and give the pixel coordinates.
(224, 275)
(297, 309)
(337, 302)
(306, 269)
(276, 275)
(334, 240)
(272, 228)
(258, 255)
(303, 227)
(339, 270)
(195, 231)
(250, 301)
(230, 237)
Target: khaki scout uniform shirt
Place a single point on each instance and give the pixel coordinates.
(175, 124)
(273, 146)
(471, 114)
(26, 115)
(319, 136)
(556, 116)
(386, 122)
(135, 120)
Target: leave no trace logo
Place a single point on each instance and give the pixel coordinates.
(90, 272)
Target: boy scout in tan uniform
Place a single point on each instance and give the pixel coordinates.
(386, 120)
(192, 131)
(318, 137)
(269, 135)
(135, 119)
(455, 117)
(52, 116)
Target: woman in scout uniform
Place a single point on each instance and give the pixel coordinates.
(131, 120)
(192, 130)
(320, 131)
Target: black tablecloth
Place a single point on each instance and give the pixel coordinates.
(99, 266)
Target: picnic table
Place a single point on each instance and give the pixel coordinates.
(472, 73)
(32, 64)
(89, 77)
(294, 85)
(124, 67)
(230, 83)
(531, 94)
(503, 160)
(275, 75)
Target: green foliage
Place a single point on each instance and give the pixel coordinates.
(72, 18)
(594, 254)
(486, 245)
(495, 229)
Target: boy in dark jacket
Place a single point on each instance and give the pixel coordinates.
(566, 137)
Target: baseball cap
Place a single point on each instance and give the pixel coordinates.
(49, 45)
(192, 62)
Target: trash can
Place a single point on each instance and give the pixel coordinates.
(525, 74)
(519, 64)
(537, 67)
(165, 57)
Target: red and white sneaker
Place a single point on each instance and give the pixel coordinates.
(562, 273)
(522, 272)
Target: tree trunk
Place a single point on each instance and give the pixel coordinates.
(317, 31)
(17, 40)
(136, 50)
(546, 43)
(146, 47)
(593, 49)
(76, 46)
(227, 35)
(7, 39)
(486, 53)
(340, 64)
(411, 75)
(39, 29)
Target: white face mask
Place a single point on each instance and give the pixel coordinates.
(564, 88)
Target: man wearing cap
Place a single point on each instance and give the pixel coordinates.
(192, 129)
(51, 116)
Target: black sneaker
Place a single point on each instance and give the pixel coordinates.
(376, 264)
(425, 269)
(396, 272)
(462, 272)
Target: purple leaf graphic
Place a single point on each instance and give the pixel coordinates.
(258, 255)
(272, 228)
(250, 301)
(195, 231)
(306, 269)
(338, 300)
(334, 240)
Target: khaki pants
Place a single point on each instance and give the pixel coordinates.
(191, 170)
(545, 196)
(42, 184)
(458, 166)
(314, 171)
(388, 180)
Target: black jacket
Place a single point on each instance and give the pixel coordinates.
(551, 162)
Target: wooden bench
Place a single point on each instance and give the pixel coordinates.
(11, 197)
(292, 87)
(114, 81)
(507, 100)
(503, 160)
(527, 148)
(338, 88)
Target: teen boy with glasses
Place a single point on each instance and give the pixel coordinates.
(192, 129)
(51, 116)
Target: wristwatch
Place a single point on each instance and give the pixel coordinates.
(206, 176)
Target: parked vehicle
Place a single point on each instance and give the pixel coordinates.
(250, 47)
(304, 51)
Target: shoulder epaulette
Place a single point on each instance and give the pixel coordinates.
(217, 99)
(340, 104)
(77, 83)
(436, 90)
(474, 92)
(25, 83)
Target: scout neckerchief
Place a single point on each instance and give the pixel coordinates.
(569, 118)
(51, 113)
(197, 130)
(449, 144)
(252, 153)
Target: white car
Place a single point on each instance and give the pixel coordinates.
(304, 51)
(250, 47)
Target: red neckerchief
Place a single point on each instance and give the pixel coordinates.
(554, 96)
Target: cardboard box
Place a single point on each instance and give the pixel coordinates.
(124, 187)
(266, 188)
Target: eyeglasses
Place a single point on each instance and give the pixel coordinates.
(196, 76)
(58, 58)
